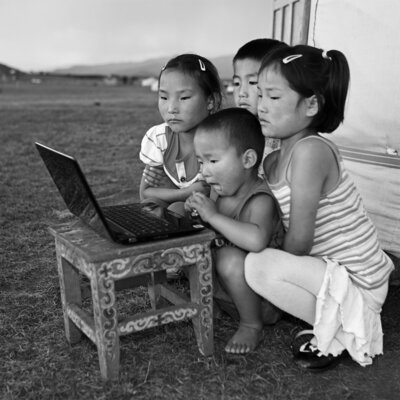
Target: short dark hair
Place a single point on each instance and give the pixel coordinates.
(312, 71)
(203, 71)
(256, 49)
(240, 127)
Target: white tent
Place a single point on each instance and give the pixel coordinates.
(366, 32)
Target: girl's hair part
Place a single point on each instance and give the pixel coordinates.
(203, 71)
(312, 71)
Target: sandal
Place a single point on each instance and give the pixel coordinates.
(300, 339)
(311, 359)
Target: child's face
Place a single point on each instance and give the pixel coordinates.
(281, 110)
(181, 101)
(245, 77)
(220, 163)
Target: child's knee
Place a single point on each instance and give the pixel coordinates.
(259, 267)
(230, 263)
(229, 271)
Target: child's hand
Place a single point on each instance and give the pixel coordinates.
(155, 176)
(204, 206)
(200, 187)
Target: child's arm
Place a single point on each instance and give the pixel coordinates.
(155, 176)
(313, 171)
(152, 150)
(147, 188)
(253, 234)
(171, 193)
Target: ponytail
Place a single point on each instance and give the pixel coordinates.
(335, 93)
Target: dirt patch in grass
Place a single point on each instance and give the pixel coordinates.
(103, 126)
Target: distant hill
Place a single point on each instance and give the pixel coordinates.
(145, 68)
(7, 71)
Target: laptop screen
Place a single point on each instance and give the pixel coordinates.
(73, 187)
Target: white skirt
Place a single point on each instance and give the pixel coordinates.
(348, 317)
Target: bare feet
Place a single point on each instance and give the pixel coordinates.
(245, 339)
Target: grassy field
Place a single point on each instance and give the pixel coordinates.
(102, 126)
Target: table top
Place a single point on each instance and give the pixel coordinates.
(93, 247)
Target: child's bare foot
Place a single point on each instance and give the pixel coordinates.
(245, 339)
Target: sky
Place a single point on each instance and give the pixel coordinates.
(41, 35)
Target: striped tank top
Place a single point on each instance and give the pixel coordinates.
(343, 231)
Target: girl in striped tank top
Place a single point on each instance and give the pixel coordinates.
(331, 271)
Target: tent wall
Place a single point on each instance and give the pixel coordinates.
(366, 32)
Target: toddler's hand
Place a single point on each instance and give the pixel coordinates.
(202, 204)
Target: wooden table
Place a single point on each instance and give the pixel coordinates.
(111, 267)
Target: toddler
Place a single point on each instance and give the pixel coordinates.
(229, 146)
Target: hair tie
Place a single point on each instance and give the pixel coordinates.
(291, 58)
(325, 55)
(202, 66)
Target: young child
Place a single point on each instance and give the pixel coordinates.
(189, 90)
(229, 146)
(331, 272)
(246, 63)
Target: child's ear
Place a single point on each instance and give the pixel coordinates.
(210, 105)
(249, 158)
(312, 106)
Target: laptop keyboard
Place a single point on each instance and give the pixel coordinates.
(133, 218)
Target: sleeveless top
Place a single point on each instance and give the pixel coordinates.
(343, 231)
(160, 147)
(259, 186)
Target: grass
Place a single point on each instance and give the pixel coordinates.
(103, 126)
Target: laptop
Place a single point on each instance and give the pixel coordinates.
(125, 223)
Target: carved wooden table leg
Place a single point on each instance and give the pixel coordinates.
(154, 291)
(70, 293)
(201, 293)
(105, 320)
